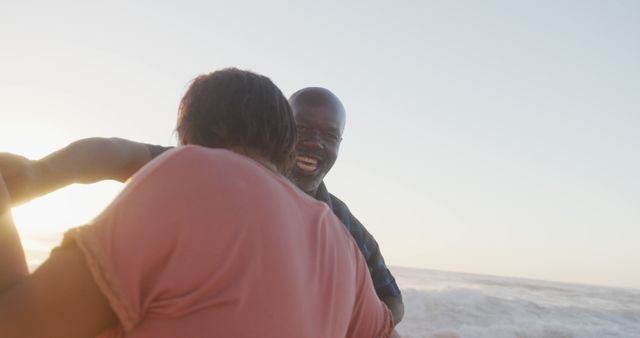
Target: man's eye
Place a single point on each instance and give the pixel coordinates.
(333, 137)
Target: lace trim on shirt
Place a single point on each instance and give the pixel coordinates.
(106, 281)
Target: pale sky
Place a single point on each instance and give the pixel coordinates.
(494, 137)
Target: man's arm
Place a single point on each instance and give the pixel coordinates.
(383, 281)
(85, 161)
(395, 304)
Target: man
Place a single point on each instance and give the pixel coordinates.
(320, 120)
(210, 239)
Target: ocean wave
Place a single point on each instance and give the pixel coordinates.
(479, 313)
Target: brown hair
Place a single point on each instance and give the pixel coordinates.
(233, 107)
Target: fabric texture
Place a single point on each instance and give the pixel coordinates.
(208, 243)
(383, 281)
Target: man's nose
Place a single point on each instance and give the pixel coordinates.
(311, 138)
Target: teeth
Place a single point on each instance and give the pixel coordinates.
(307, 163)
(307, 160)
(306, 167)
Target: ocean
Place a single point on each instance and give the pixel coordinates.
(442, 304)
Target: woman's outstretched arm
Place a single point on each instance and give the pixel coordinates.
(84, 161)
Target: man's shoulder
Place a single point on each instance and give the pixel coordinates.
(337, 202)
(345, 215)
(383, 280)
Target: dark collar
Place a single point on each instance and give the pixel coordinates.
(322, 194)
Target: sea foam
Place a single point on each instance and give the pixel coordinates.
(456, 305)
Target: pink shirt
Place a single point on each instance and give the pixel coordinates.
(208, 243)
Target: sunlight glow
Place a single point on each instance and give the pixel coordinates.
(42, 222)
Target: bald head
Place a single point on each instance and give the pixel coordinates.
(319, 97)
(320, 120)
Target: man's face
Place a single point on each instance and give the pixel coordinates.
(319, 135)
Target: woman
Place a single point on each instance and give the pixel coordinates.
(202, 242)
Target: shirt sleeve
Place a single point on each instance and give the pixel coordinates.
(383, 281)
(131, 247)
(156, 150)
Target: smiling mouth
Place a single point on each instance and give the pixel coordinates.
(306, 164)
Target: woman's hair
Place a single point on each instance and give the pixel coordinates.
(232, 107)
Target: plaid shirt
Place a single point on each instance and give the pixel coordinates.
(383, 280)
